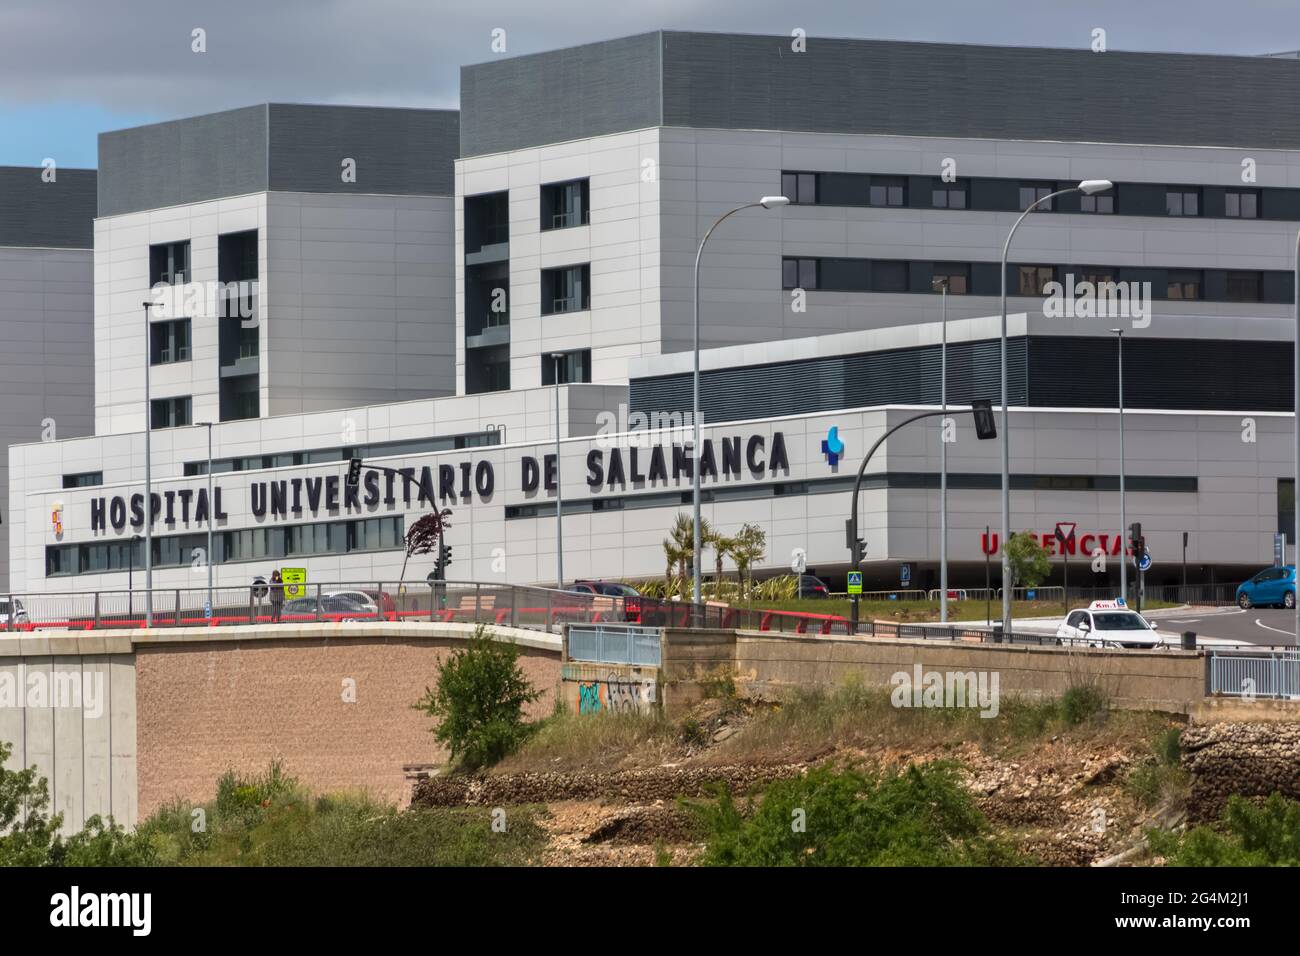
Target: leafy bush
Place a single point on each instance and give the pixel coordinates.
(1249, 834)
(29, 836)
(1082, 702)
(921, 816)
(479, 701)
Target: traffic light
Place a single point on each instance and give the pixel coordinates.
(857, 547)
(1137, 542)
(441, 562)
(985, 424)
(354, 472)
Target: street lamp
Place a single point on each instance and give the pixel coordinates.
(130, 576)
(943, 463)
(767, 202)
(1088, 187)
(1123, 516)
(211, 510)
(148, 473)
(559, 497)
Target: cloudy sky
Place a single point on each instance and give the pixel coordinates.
(72, 68)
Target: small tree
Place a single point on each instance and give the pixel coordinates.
(27, 832)
(1029, 562)
(680, 543)
(424, 535)
(479, 701)
(748, 547)
(722, 546)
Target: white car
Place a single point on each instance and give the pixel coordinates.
(361, 599)
(1109, 624)
(19, 613)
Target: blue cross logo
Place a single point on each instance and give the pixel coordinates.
(833, 446)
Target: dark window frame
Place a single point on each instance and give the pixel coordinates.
(553, 275)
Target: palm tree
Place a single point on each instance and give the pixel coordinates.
(679, 546)
(748, 549)
(722, 548)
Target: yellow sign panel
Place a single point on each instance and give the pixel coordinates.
(295, 582)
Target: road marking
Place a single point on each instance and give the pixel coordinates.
(1276, 629)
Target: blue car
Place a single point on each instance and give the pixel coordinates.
(1273, 587)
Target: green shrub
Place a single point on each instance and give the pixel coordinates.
(920, 816)
(479, 701)
(1082, 702)
(29, 835)
(1249, 834)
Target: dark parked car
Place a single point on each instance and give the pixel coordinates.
(336, 608)
(628, 595)
(811, 587)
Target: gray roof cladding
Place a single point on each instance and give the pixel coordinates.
(38, 214)
(277, 146)
(735, 81)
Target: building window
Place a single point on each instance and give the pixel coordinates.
(888, 191)
(1241, 204)
(1100, 203)
(1181, 201)
(1096, 275)
(170, 412)
(799, 273)
(799, 187)
(574, 366)
(565, 205)
(1030, 193)
(1286, 508)
(1244, 287)
(888, 276)
(169, 342)
(1033, 280)
(1184, 284)
(86, 479)
(567, 289)
(948, 195)
(954, 276)
(169, 263)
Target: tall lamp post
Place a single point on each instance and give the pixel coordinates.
(943, 463)
(1123, 515)
(767, 202)
(1088, 187)
(559, 496)
(211, 510)
(1295, 389)
(148, 473)
(130, 577)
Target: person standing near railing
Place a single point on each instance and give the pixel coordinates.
(277, 596)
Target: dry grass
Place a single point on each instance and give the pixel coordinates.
(602, 741)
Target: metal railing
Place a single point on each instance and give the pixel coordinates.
(1247, 674)
(613, 643)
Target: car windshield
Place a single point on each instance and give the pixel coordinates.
(1120, 622)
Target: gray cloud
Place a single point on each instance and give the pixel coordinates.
(133, 56)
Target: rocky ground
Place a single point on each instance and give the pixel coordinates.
(1062, 799)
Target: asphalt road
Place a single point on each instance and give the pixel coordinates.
(1256, 626)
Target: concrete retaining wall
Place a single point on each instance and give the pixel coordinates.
(332, 701)
(765, 664)
(67, 707)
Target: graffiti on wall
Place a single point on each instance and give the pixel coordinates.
(615, 693)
